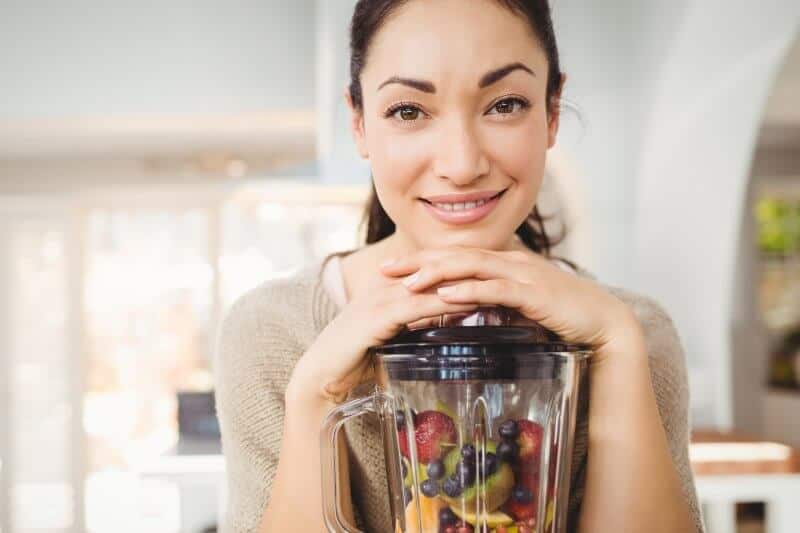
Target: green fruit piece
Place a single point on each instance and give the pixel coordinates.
(550, 514)
(444, 408)
(422, 473)
(508, 529)
(493, 520)
(497, 487)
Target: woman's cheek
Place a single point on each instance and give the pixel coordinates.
(519, 152)
(400, 158)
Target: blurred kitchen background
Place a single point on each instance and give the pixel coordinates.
(158, 159)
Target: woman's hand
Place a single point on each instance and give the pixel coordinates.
(336, 362)
(575, 308)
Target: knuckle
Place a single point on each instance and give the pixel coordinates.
(517, 255)
(501, 285)
(483, 257)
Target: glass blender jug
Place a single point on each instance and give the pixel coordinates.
(478, 414)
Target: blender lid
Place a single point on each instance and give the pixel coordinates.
(499, 325)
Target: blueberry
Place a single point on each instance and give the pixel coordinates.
(468, 452)
(429, 488)
(465, 470)
(509, 430)
(447, 517)
(436, 469)
(507, 451)
(407, 496)
(452, 487)
(403, 468)
(400, 418)
(490, 464)
(522, 495)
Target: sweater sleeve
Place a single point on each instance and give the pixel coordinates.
(671, 385)
(254, 358)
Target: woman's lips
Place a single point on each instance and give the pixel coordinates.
(464, 216)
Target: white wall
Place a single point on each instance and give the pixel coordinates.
(91, 57)
(693, 173)
(611, 52)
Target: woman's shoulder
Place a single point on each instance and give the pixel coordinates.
(661, 335)
(665, 350)
(274, 312)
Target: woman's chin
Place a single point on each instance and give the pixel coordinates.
(483, 238)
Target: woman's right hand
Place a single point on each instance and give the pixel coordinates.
(337, 360)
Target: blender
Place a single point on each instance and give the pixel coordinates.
(478, 413)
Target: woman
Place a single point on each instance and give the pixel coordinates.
(455, 104)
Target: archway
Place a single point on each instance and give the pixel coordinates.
(694, 169)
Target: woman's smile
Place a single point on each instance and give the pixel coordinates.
(463, 212)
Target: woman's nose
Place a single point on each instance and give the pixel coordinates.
(459, 155)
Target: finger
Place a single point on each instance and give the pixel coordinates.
(480, 266)
(423, 306)
(504, 292)
(424, 323)
(413, 261)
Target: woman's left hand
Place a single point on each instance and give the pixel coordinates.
(575, 308)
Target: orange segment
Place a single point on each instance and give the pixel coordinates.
(429, 509)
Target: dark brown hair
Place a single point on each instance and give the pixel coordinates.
(369, 16)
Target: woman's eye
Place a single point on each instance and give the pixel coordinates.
(406, 113)
(508, 106)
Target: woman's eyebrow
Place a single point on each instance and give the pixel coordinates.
(420, 85)
(496, 75)
(493, 76)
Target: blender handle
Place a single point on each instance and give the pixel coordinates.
(330, 456)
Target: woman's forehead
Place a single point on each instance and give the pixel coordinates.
(435, 39)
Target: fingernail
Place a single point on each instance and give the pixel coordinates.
(410, 280)
(388, 262)
(444, 291)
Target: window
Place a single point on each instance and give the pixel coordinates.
(113, 305)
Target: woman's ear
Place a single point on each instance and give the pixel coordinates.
(554, 118)
(357, 125)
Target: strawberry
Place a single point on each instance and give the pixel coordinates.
(402, 436)
(435, 433)
(530, 439)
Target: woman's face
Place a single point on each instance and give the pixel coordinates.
(453, 103)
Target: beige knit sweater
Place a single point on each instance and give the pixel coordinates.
(268, 330)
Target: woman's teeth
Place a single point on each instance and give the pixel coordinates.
(460, 206)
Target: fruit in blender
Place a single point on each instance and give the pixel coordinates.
(402, 438)
(427, 516)
(493, 520)
(408, 476)
(460, 485)
(434, 433)
(507, 451)
(435, 469)
(524, 500)
(530, 439)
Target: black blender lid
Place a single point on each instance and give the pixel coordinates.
(451, 347)
(486, 325)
